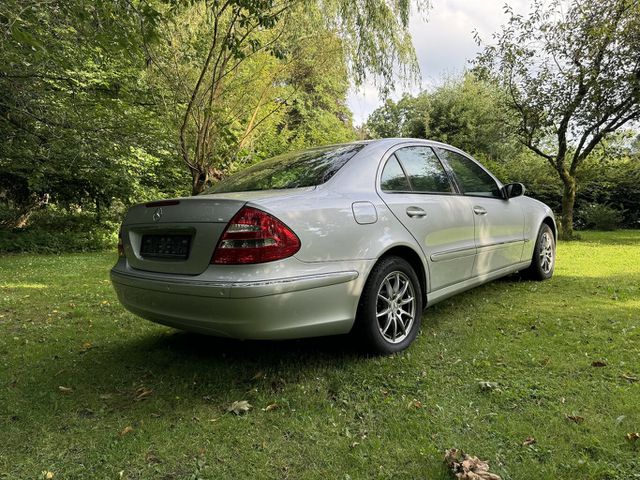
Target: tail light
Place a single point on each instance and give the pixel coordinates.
(254, 236)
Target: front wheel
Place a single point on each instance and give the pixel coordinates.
(544, 255)
(390, 308)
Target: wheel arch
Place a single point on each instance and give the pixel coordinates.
(414, 259)
(552, 225)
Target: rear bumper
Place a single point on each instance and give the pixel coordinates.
(320, 303)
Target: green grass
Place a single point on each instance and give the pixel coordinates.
(340, 414)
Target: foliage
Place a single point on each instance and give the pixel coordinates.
(58, 231)
(573, 78)
(600, 216)
(338, 412)
(238, 70)
(466, 112)
(80, 126)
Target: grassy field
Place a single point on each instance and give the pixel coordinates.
(90, 391)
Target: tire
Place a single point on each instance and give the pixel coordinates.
(544, 255)
(392, 280)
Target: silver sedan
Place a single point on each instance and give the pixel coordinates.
(357, 238)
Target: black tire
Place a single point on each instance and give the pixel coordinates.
(540, 268)
(367, 327)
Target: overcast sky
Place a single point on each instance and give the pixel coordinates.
(444, 44)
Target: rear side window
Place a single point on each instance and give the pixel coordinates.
(393, 178)
(472, 178)
(292, 170)
(425, 172)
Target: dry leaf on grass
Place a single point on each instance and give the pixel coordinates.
(488, 385)
(528, 441)
(239, 407)
(127, 429)
(414, 404)
(599, 363)
(65, 389)
(142, 393)
(466, 467)
(272, 406)
(633, 436)
(575, 418)
(47, 475)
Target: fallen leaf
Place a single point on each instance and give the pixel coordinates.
(239, 407)
(575, 418)
(127, 429)
(86, 346)
(488, 385)
(599, 363)
(273, 406)
(528, 441)
(466, 467)
(142, 393)
(65, 389)
(633, 436)
(47, 475)
(415, 404)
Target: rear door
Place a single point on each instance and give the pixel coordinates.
(499, 222)
(418, 190)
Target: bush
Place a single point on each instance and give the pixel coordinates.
(597, 216)
(58, 231)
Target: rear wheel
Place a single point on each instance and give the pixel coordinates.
(544, 255)
(390, 308)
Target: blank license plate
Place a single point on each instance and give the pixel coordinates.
(165, 246)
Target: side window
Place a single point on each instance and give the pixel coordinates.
(425, 172)
(393, 178)
(472, 178)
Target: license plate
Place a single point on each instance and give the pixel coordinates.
(165, 246)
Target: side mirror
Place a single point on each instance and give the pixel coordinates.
(513, 190)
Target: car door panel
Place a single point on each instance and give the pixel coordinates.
(499, 222)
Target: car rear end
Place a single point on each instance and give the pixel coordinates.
(226, 264)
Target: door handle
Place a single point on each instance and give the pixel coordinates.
(416, 212)
(479, 210)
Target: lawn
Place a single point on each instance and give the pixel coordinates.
(88, 390)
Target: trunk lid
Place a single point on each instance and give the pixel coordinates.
(179, 236)
(176, 236)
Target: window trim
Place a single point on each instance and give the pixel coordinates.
(455, 190)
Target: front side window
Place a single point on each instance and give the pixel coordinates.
(425, 172)
(472, 178)
(292, 170)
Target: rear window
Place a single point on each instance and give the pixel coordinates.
(291, 170)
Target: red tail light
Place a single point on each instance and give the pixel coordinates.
(254, 236)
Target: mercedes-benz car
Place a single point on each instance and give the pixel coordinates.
(353, 238)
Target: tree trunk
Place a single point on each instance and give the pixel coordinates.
(568, 202)
(199, 180)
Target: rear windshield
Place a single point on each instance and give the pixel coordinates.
(291, 170)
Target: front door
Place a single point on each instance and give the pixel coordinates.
(419, 192)
(499, 222)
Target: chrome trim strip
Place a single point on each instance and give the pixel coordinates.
(454, 253)
(495, 245)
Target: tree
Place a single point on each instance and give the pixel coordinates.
(209, 49)
(573, 78)
(466, 112)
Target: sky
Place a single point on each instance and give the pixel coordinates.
(444, 44)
